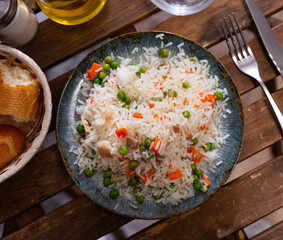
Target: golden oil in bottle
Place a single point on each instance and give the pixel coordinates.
(71, 12)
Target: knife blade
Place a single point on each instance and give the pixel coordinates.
(269, 39)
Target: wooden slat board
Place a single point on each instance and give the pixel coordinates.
(234, 206)
(273, 233)
(238, 204)
(54, 42)
(204, 27)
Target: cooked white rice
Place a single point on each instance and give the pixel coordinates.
(158, 121)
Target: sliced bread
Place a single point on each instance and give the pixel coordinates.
(19, 93)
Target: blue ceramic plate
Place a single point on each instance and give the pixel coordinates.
(66, 118)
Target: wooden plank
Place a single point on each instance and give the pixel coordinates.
(236, 205)
(87, 221)
(204, 26)
(273, 233)
(32, 5)
(55, 43)
(42, 177)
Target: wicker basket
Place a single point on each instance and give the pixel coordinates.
(38, 129)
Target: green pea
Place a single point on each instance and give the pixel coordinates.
(172, 185)
(196, 185)
(136, 107)
(185, 85)
(203, 188)
(157, 99)
(108, 59)
(194, 167)
(123, 150)
(114, 193)
(106, 181)
(195, 177)
(219, 95)
(164, 53)
(102, 84)
(208, 147)
(186, 114)
(115, 178)
(141, 70)
(133, 182)
(199, 172)
(165, 93)
(108, 173)
(157, 197)
(150, 157)
(97, 81)
(147, 142)
(126, 106)
(121, 95)
(102, 75)
(150, 186)
(143, 148)
(80, 128)
(114, 65)
(195, 141)
(172, 94)
(139, 199)
(134, 164)
(93, 152)
(136, 190)
(88, 172)
(106, 67)
(126, 100)
(192, 59)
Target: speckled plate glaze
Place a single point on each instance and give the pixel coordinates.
(66, 119)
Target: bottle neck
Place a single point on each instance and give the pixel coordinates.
(8, 10)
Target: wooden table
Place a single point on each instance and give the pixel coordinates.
(238, 204)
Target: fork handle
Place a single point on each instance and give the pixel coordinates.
(274, 106)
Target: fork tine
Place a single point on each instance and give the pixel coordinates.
(233, 40)
(243, 51)
(241, 33)
(228, 42)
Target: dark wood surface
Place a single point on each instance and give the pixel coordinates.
(236, 205)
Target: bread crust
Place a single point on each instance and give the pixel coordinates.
(21, 101)
(12, 142)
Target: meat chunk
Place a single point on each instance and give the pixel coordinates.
(189, 135)
(104, 148)
(176, 128)
(131, 142)
(107, 114)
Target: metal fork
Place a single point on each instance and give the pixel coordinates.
(244, 59)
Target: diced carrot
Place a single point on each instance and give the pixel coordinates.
(196, 106)
(91, 101)
(203, 127)
(192, 150)
(151, 106)
(174, 104)
(130, 172)
(125, 158)
(206, 180)
(95, 67)
(189, 72)
(158, 87)
(185, 101)
(144, 179)
(137, 115)
(174, 175)
(209, 98)
(201, 94)
(195, 159)
(201, 155)
(156, 145)
(149, 173)
(121, 132)
(155, 115)
(90, 74)
(168, 101)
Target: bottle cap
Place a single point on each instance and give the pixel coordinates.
(8, 9)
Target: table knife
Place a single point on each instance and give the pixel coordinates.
(269, 39)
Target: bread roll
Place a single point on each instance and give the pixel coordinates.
(19, 93)
(12, 142)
